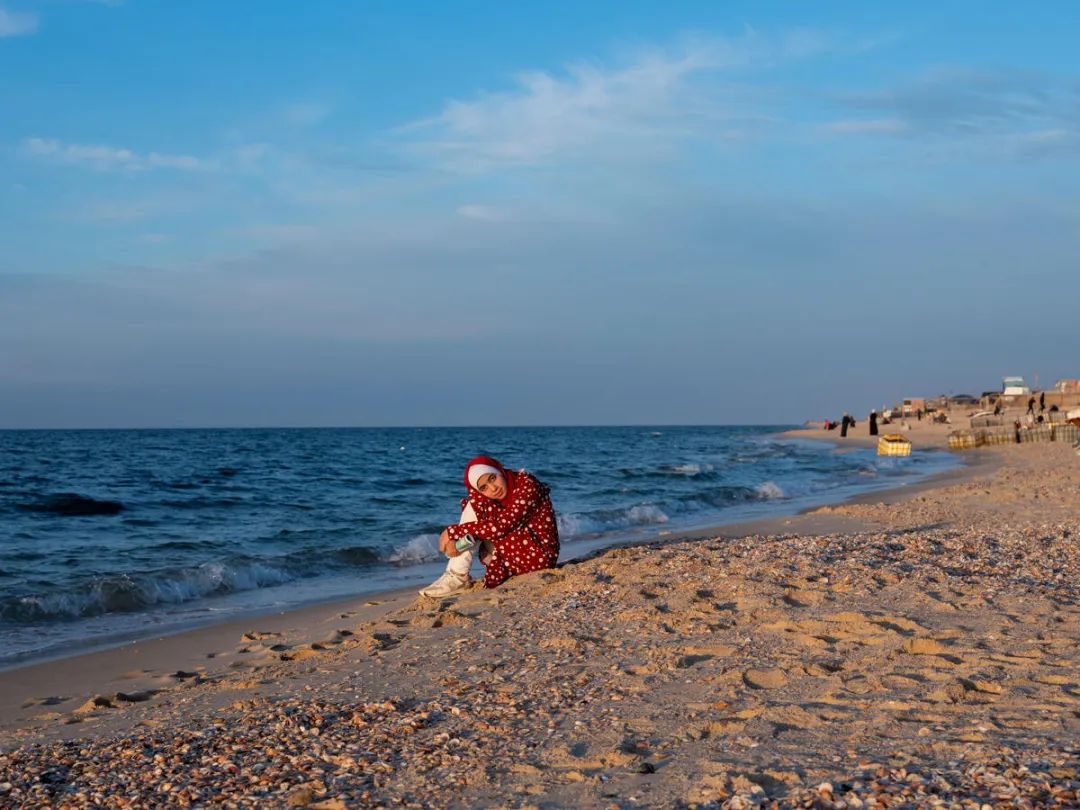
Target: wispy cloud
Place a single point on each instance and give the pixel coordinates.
(17, 24)
(968, 102)
(108, 158)
(964, 114)
(648, 103)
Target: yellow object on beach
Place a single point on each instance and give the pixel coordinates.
(893, 444)
(962, 440)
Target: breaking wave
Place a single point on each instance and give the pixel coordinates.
(422, 548)
(132, 592)
(574, 524)
(769, 491)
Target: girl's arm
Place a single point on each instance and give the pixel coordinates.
(511, 516)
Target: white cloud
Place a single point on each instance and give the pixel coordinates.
(648, 105)
(15, 24)
(108, 158)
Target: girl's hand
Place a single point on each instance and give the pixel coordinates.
(446, 546)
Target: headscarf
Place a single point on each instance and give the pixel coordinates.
(482, 465)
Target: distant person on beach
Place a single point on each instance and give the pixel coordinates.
(507, 519)
(873, 423)
(1042, 400)
(1031, 406)
(844, 424)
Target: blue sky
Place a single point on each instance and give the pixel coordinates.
(530, 213)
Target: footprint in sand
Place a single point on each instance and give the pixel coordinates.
(380, 642)
(862, 684)
(898, 624)
(94, 704)
(52, 700)
(982, 685)
(764, 678)
(1054, 680)
(932, 648)
(136, 697)
(803, 598)
(259, 635)
(790, 718)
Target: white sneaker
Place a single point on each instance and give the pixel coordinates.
(447, 584)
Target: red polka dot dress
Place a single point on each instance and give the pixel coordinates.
(521, 527)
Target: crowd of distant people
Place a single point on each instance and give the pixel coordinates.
(1036, 413)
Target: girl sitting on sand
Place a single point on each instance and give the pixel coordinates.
(510, 521)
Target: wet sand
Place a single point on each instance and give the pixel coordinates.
(910, 648)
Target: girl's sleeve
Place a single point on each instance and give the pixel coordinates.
(512, 515)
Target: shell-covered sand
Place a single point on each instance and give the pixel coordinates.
(924, 656)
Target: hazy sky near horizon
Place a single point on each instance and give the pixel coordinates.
(441, 213)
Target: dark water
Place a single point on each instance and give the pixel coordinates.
(106, 535)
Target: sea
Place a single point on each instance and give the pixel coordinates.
(107, 536)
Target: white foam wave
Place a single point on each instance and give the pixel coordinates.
(573, 524)
(769, 491)
(125, 592)
(646, 514)
(422, 548)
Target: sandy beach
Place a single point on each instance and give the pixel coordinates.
(915, 648)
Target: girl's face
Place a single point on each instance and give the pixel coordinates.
(492, 485)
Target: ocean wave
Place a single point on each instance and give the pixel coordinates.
(769, 491)
(184, 545)
(689, 470)
(205, 503)
(573, 524)
(129, 593)
(354, 556)
(422, 548)
(669, 471)
(715, 498)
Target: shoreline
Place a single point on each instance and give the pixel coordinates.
(415, 577)
(143, 663)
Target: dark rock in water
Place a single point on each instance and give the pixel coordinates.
(72, 505)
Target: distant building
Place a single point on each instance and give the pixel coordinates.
(1014, 387)
(1067, 386)
(912, 406)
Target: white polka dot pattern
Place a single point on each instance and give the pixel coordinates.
(522, 529)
